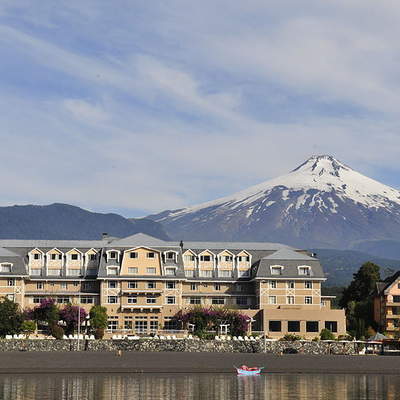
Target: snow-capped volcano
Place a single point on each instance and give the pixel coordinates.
(323, 202)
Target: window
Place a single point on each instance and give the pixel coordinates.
(293, 326)
(396, 299)
(112, 255)
(308, 300)
(132, 285)
(53, 256)
(36, 272)
(170, 285)
(133, 270)
(169, 323)
(37, 300)
(290, 285)
(153, 324)
(133, 254)
(112, 271)
(276, 270)
(74, 272)
(87, 285)
(206, 274)
(39, 285)
(194, 300)
(239, 287)
(112, 285)
(91, 271)
(112, 299)
(151, 270)
(151, 285)
(228, 258)
(275, 326)
(63, 285)
(312, 326)
(308, 284)
(331, 325)
(241, 301)
(92, 257)
(11, 282)
(87, 300)
(5, 267)
(140, 325)
(205, 258)
(132, 299)
(151, 255)
(37, 256)
(189, 258)
(193, 286)
(398, 286)
(218, 300)
(112, 325)
(170, 299)
(243, 273)
(225, 273)
(63, 300)
(151, 299)
(243, 258)
(272, 284)
(217, 286)
(304, 270)
(171, 256)
(55, 272)
(189, 273)
(169, 271)
(272, 300)
(74, 257)
(76, 284)
(290, 300)
(128, 323)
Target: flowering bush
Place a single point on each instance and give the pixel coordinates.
(205, 319)
(69, 314)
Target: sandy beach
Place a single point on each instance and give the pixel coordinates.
(131, 362)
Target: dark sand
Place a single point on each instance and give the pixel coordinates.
(130, 362)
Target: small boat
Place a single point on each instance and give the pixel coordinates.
(244, 370)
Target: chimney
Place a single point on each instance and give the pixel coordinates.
(104, 235)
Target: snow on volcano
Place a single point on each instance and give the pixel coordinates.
(321, 202)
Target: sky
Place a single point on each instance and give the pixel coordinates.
(135, 107)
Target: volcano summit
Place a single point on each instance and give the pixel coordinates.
(321, 203)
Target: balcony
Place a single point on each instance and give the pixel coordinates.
(144, 291)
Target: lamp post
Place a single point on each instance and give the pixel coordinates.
(79, 319)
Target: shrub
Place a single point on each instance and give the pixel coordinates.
(57, 331)
(28, 327)
(10, 318)
(98, 318)
(70, 315)
(290, 337)
(326, 334)
(99, 333)
(345, 337)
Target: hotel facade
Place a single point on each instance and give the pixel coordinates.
(143, 281)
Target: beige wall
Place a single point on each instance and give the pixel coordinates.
(141, 262)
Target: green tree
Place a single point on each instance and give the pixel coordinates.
(98, 320)
(326, 334)
(10, 318)
(357, 299)
(362, 285)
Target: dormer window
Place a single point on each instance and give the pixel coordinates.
(113, 255)
(151, 255)
(74, 257)
(276, 270)
(133, 254)
(55, 256)
(228, 258)
(243, 258)
(170, 255)
(92, 257)
(205, 258)
(190, 257)
(304, 270)
(37, 256)
(5, 267)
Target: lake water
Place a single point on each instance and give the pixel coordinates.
(201, 386)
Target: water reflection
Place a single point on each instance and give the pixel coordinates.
(202, 386)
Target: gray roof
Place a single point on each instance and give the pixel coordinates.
(52, 243)
(139, 239)
(18, 265)
(289, 254)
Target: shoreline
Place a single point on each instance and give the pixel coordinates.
(191, 363)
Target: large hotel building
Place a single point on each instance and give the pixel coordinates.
(143, 281)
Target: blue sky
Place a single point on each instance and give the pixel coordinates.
(136, 107)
